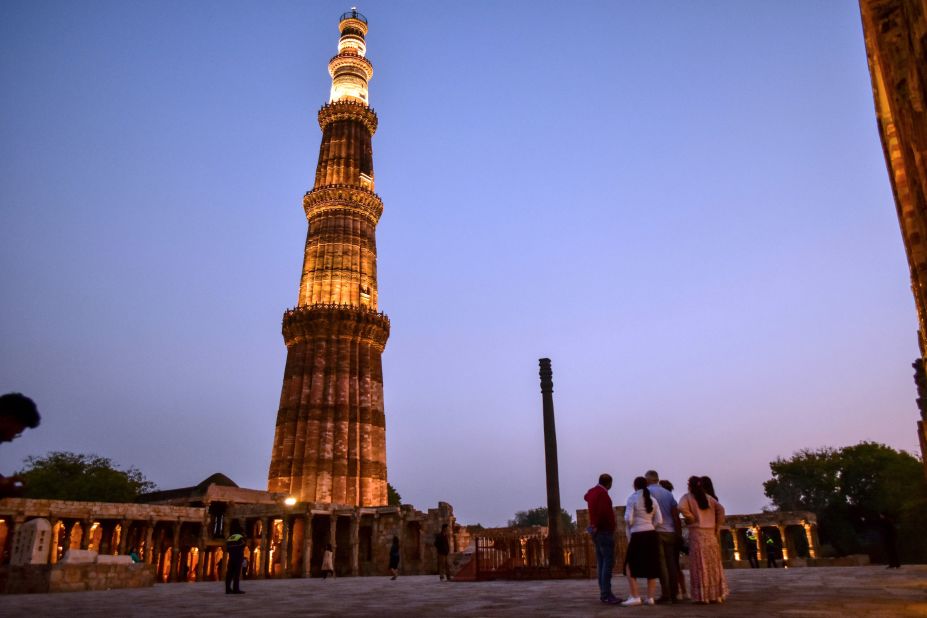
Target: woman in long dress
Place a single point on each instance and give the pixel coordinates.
(642, 517)
(704, 516)
(328, 562)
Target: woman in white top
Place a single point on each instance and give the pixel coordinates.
(642, 517)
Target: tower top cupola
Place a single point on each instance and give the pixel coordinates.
(350, 70)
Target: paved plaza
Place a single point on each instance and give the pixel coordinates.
(843, 592)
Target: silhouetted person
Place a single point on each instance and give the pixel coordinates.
(751, 549)
(889, 540)
(235, 549)
(443, 547)
(394, 558)
(670, 534)
(771, 552)
(328, 562)
(680, 544)
(17, 412)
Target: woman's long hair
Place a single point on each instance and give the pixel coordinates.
(641, 483)
(395, 542)
(698, 491)
(709, 487)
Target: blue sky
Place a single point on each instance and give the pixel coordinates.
(684, 205)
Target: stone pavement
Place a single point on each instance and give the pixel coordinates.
(829, 592)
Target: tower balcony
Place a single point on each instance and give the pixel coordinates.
(348, 110)
(350, 60)
(323, 321)
(352, 14)
(343, 197)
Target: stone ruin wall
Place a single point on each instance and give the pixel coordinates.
(179, 543)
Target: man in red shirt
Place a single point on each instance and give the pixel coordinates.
(602, 528)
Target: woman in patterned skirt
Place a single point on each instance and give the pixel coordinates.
(704, 516)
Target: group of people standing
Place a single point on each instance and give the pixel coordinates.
(654, 522)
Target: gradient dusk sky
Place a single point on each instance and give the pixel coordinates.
(683, 204)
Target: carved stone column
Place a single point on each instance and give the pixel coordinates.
(124, 527)
(265, 547)
(811, 533)
(202, 548)
(738, 555)
(53, 546)
(86, 533)
(68, 530)
(333, 538)
(284, 548)
(175, 553)
(786, 543)
(149, 540)
(107, 529)
(307, 546)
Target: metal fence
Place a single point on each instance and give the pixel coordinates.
(504, 555)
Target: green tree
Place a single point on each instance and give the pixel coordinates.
(538, 517)
(848, 488)
(392, 496)
(61, 475)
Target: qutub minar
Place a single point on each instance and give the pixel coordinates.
(330, 439)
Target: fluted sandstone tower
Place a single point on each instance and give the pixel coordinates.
(330, 440)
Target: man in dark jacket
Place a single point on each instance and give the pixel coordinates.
(772, 551)
(443, 547)
(235, 550)
(602, 528)
(751, 548)
(17, 412)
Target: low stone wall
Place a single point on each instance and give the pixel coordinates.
(74, 577)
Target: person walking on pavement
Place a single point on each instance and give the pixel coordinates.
(751, 548)
(771, 552)
(328, 562)
(235, 549)
(443, 547)
(602, 528)
(394, 558)
(889, 540)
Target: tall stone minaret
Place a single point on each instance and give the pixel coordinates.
(330, 440)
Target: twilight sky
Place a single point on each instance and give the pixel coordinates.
(683, 204)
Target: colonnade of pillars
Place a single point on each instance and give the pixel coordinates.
(276, 546)
(785, 543)
(292, 545)
(165, 544)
